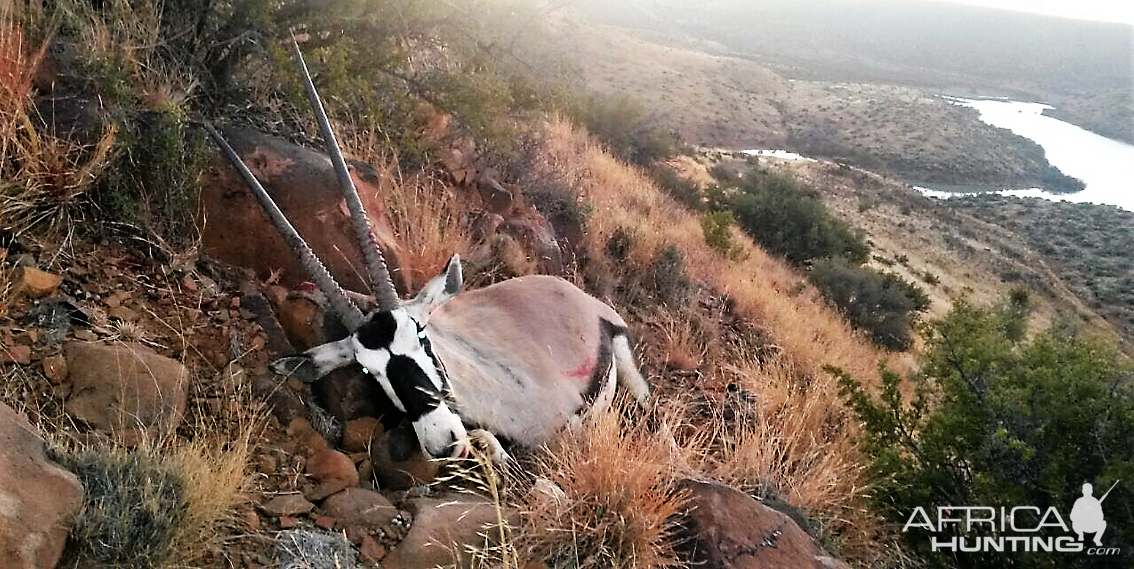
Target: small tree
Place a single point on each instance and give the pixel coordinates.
(997, 420)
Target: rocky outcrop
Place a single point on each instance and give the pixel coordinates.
(302, 183)
(38, 499)
(125, 389)
(727, 529)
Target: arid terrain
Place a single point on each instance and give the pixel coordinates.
(730, 101)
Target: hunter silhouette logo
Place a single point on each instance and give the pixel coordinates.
(1087, 514)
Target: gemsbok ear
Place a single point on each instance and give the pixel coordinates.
(441, 288)
(316, 362)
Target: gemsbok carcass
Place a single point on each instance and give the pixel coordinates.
(518, 360)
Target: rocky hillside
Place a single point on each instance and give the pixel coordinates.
(144, 293)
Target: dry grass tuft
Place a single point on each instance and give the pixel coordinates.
(606, 495)
(169, 501)
(430, 223)
(793, 436)
(42, 176)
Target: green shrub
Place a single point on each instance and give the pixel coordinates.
(882, 304)
(680, 189)
(718, 232)
(995, 420)
(788, 220)
(156, 177)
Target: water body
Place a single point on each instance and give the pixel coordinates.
(781, 154)
(1105, 166)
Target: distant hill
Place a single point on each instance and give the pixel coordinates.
(947, 47)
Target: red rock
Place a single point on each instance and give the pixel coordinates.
(325, 522)
(307, 440)
(288, 522)
(15, 355)
(728, 529)
(400, 474)
(326, 489)
(125, 388)
(443, 526)
(359, 432)
(287, 505)
(370, 550)
(55, 368)
(34, 283)
(358, 507)
(40, 499)
(327, 464)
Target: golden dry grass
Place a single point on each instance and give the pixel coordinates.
(42, 176)
(606, 493)
(801, 441)
(430, 224)
(762, 287)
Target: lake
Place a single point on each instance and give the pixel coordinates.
(1105, 166)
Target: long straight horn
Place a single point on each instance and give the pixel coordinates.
(380, 282)
(347, 312)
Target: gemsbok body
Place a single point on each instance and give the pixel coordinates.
(518, 360)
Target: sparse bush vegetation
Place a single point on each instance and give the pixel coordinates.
(882, 304)
(682, 190)
(624, 125)
(44, 177)
(1001, 421)
(668, 278)
(1090, 246)
(788, 220)
(718, 232)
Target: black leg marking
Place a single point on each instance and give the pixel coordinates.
(608, 331)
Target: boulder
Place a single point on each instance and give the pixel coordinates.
(442, 528)
(38, 499)
(359, 507)
(126, 389)
(302, 182)
(330, 465)
(728, 529)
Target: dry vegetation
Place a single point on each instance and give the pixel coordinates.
(789, 438)
(43, 177)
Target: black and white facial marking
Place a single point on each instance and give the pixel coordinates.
(395, 349)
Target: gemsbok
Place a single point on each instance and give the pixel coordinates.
(519, 360)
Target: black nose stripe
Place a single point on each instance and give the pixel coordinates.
(412, 386)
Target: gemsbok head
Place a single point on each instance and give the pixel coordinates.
(517, 360)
